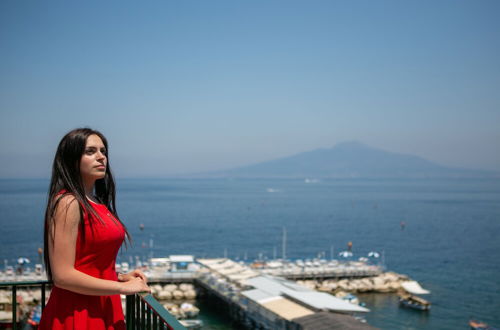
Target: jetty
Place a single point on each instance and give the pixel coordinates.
(262, 301)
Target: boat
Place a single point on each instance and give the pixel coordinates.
(414, 302)
(189, 310)
(349, 297)
(408, 296)
(192, 324)
(478, 325)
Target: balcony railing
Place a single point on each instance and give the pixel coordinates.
(143, 311)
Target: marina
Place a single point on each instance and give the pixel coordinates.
(272, 294)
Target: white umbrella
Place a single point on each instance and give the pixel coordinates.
(345, 254)
(23, 260)
(373, 254)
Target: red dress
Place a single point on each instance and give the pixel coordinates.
(95, 256)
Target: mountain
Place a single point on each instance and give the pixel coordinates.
(349, 160)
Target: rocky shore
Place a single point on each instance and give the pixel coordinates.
(184, 291)
(383, 283)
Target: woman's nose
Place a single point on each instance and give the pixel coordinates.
(100, 155)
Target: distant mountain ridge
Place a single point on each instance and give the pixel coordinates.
(349, 160)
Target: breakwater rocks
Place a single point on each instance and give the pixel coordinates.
(183, 291)
(383, 283)
(184, 310)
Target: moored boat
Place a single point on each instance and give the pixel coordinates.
(192, 324)
(408, 296)
(414, 302)
(478, 325)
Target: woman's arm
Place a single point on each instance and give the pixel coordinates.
(62, 249)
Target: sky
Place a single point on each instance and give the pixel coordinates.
(194, 86)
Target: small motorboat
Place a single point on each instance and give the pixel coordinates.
(415, 302)
(192, 324)
(478, 325)
(349, 297)
(408, 296)
(189, 310)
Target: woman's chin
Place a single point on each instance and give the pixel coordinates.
(99, 175)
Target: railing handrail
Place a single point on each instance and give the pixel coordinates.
(25, 283)
(157, 308)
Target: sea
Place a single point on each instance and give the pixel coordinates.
(450, 242)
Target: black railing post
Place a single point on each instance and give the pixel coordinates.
(143, 315)
(137, 312)
(148, 319)
(43, 297)
(128, 312)
(155, 321)
(14, 307)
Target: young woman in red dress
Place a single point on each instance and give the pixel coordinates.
(83, 234)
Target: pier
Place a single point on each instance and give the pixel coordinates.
(262, 301)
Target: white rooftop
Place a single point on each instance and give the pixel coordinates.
(317, 300)
(257, 295)
(181, 258)
(274, 285)
(228, 268)
(285, 308)
(324, 301)
(208, 262)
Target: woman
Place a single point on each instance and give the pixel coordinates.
(83, 234)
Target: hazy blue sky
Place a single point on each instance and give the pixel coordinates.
(180, 86)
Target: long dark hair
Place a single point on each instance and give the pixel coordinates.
(66, 179)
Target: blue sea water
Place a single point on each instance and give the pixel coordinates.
(451, 242)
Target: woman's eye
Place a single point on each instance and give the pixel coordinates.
(89, 151)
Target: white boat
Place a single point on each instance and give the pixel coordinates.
(192, 324)
(413, 287)
(189, 310)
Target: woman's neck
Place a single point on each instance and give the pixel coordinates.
(89, 188)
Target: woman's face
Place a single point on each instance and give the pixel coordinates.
(93, 162)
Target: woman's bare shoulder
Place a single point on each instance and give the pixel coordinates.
(67, 207)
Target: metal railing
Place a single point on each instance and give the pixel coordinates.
(143, 311)
(15, 286)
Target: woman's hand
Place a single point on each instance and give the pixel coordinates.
(134, 285)
(134, 282)
(132, 275)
